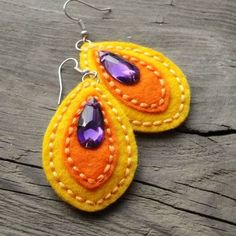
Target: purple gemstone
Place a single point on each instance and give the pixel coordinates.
(119, 69)
(90, 131)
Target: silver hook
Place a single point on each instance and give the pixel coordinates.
(76, 67)
(84, 31)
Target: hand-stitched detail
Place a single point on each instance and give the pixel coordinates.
(150, 78)
(146, 123)
(75, 157)
(152, 107)
(62, 185)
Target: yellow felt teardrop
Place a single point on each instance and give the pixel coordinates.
(171, 78)
(54, 148)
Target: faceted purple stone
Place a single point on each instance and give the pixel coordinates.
(119, 69)
(90, 130)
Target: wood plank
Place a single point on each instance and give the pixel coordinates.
(185, 183)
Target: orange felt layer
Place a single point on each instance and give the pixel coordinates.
(148, 95)
(91, 167)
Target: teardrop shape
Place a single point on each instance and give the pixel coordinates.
(160, 101)
(90, 130)
(119, 69)
(89, 179)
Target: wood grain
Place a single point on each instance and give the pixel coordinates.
(185, 183)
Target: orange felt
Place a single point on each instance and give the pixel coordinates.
(90, 167)
(148, 95)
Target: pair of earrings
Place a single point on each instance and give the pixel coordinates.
(89, 149)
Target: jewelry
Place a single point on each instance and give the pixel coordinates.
(89, 149)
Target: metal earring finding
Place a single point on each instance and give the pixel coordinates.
(84, 73)
(84, 32)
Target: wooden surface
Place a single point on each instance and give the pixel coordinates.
(185, 182)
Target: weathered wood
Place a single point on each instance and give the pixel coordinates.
(185, 183)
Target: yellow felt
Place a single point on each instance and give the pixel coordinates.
(179, 103)
(53, 148)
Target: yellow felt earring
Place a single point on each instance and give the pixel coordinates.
(160, 98)
(86, 175)
(89, 149)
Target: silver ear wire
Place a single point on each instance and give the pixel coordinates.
(76, 67)
(84, 73)
(84, 31)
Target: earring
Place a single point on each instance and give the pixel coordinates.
(89, 149)
(150, 88)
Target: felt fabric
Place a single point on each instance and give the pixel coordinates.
(148, 95)
(170, 92)
(113, 173)
(91, 167)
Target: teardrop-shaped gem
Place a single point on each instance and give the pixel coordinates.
(90, 130)
(119, 69)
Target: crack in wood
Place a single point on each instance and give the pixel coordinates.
(30, 194)
(201, 203)
(206, 190)
(207, 133)
(187, 210)
(20, 163)
(155, 186)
